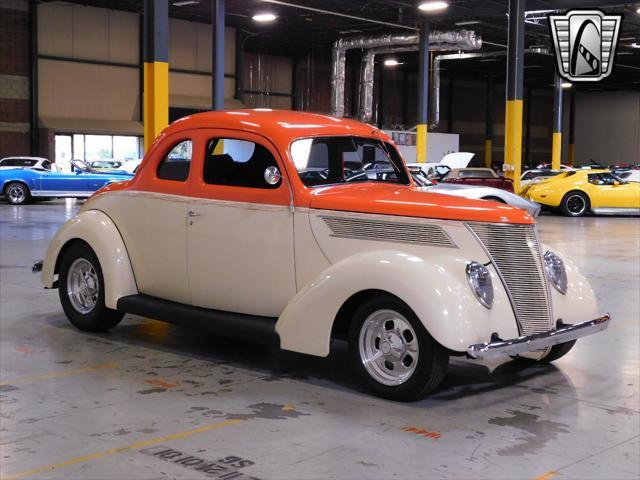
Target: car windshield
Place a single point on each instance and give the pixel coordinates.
(82, 166)
(330, 160)
(420, 178)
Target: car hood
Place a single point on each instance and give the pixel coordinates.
(390, 199)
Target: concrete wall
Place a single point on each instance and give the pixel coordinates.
(607, 127)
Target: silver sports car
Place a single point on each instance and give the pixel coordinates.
(475, 192)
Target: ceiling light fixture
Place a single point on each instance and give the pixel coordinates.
(638, 10)
(391, 62)
(264, 17)
(566, 85)
(634, 45)
(432, 6)
(183, 3)
(467, 22)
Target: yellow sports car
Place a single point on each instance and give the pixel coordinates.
(579, 192)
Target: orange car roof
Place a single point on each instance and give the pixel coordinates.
(281, 126)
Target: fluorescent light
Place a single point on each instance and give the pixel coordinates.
(183, 3)
(264, 17)
(432, 6)
(466, 22)
(638, 10)
(391, 62)
(566, 85)
(634, 45)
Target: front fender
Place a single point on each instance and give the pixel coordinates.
(98, 230)
(579, 304)
(435, 289)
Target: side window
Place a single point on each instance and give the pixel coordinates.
(175, 166)
(10, 162)
(596, 179)
(238, 163)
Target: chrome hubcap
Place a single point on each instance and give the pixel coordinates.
(388, 347)
(576, 204)
(16, 194)
(82, 285)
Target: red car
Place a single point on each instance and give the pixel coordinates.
(478, 176)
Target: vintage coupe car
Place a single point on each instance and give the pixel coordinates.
(576, 193)
(267, 225)
(485, 177)
(21, 185)
(473, 191)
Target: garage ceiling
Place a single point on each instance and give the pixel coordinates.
(302, 31)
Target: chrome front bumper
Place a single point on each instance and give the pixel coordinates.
(516, 346)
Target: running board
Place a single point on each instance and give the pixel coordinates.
(251, 328)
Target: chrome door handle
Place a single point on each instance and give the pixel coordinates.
(192, 214)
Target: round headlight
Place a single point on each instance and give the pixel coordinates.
(480, 283)
(556, 273)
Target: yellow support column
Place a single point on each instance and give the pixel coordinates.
(421, 143)
(556, 144)
(515, 82)
(155, 86)
(156, 100)
(572, 128)
(488, 153)
(513, 142)
(423, 94)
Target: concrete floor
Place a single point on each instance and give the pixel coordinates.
(153, 401)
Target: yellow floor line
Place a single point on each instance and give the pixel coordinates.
(547, 476)
(113, 451)
(63, 373)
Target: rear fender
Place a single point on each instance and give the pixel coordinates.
(100, 233)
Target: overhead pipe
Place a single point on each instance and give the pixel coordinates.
(435, 90)
(456, 40)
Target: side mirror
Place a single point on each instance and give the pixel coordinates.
(272, 175)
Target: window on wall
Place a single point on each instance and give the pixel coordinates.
(97, 147)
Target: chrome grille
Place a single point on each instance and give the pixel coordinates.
(367, 229)
(515, 253)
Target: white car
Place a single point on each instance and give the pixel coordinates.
(630, 176)
(451, 160)
(130, 166)
(475, 192)
(530, 177)
(38, 163)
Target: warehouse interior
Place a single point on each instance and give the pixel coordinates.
(99, 80)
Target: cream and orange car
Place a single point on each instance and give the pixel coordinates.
(579, 192)
(279, 227)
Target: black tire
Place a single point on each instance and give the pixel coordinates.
(431, 364)
(494, 199)
(98, 318)
(575, 204)
(558, 351)
(17, 193)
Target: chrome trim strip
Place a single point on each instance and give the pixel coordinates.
(59, 194)
(530, 343)
(616, 211)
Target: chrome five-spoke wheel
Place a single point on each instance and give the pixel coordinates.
(82, 285)
(388, 347)
(17, 193)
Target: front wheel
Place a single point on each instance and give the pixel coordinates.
(575, 204)
(82, 291)
(17, 193)
(392, 352)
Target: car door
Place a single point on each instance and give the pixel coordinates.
(153, 220)
(240, 229)
(609, 193)
(52, 183)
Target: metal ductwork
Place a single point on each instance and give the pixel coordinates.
(455, 40)
(434, 121)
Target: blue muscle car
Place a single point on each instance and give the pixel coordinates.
(20, 186)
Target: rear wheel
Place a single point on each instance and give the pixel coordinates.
(392, 352)
(82, 291)
(575, 204)
(17, 193)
